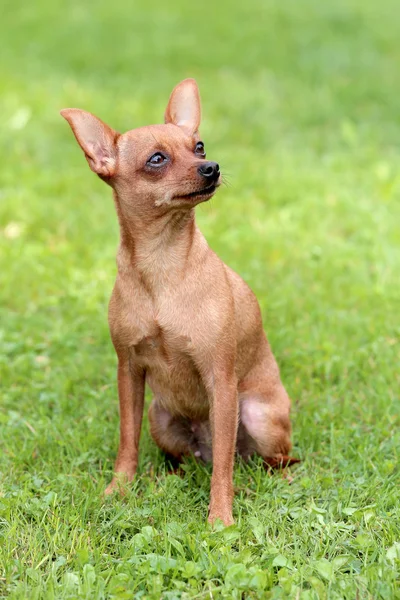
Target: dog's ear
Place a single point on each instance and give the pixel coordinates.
(184, 107)
(96, 139)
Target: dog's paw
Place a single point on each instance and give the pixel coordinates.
(110, 489)
(118, 485)
(280, 462)
(225, 516)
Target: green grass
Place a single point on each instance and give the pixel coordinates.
(301, 109)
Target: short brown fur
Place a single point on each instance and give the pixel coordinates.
(180, 319)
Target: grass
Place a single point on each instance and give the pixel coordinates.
(301, 109)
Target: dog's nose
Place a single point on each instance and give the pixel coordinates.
(209, 170)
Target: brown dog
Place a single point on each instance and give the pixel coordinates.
(180, 319)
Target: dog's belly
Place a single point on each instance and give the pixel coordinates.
(172, 377)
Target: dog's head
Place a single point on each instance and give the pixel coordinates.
(158, 166)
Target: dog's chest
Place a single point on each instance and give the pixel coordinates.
(160, 349)
(166, 338)
(171, 372)
(152, 348)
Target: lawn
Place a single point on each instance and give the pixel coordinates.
(301, 110)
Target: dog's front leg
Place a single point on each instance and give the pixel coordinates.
(224, 423)
(131, 381)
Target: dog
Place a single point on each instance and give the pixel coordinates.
(180, 319)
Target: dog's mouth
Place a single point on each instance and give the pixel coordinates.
(204, 194)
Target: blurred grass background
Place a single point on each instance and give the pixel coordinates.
(301, 110)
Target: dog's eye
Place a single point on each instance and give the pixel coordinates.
(199, 149)
(157, 160)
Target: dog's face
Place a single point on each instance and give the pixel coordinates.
(153, 167)
(167, 165)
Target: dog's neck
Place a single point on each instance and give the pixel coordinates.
(156, 249)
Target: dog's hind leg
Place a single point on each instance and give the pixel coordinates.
(267, 426)
(172, 434)
(264, 416)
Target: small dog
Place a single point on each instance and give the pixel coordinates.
(180, 319)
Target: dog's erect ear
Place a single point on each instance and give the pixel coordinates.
(184, 106)
(96, 139)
